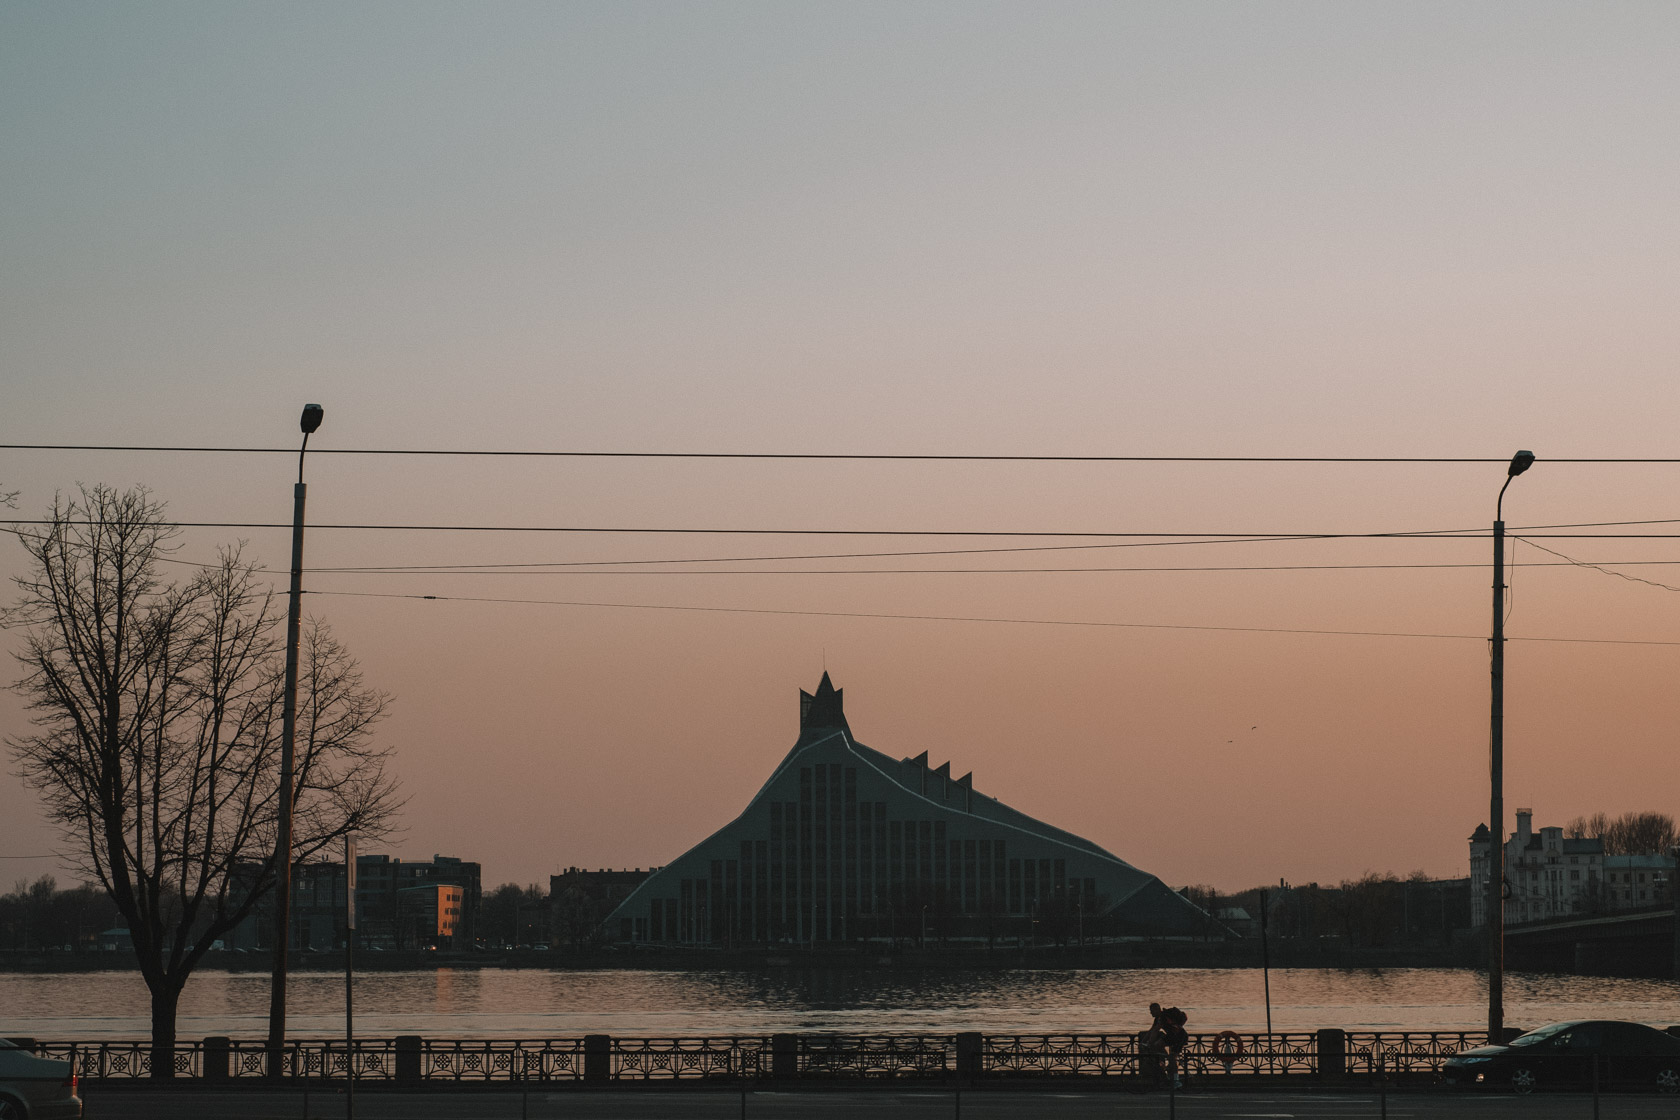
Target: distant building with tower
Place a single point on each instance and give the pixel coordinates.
(1550, 875)
(844, 843)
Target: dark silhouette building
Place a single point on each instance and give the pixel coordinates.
(844, 843)
(579, 900)
(414, 904)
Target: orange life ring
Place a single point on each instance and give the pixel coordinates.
(1228, 1047)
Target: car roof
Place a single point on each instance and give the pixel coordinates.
(1554, 1027)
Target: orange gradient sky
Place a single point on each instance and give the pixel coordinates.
(1186, 229)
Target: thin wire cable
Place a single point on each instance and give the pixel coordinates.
(1225, 536)
(1211, 537)
(467, 570)
(817, 455)
(1600, 568)
(906, 552)
(580, 567)
(967, 618)
(896, 554)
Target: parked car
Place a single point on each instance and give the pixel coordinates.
(1620, 1055)
(34, 1088)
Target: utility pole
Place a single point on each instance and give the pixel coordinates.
(310, 421)
(1520, 462)
(349, 978)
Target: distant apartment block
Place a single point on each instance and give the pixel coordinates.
(413, 904)
(429, 916)
(381, 882)
(1553, 876)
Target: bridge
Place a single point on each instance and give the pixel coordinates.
(1642, 943)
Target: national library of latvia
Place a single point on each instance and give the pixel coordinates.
(844, 843)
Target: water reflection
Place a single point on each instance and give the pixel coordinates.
(532, 1003)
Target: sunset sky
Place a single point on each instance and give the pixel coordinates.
(1164, 229)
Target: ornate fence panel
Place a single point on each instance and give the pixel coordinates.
(316, 1059)
(374, 1059)
(465, 1061)
(247, 1058)
(122, 1061)
(554, 1059)
(1409, 1054)
(1060, 1055)
(1230, 1053)
(685, 1059)
(876, 1056)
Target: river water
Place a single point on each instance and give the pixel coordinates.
(536, 1003)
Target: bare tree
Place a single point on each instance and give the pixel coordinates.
(1641, 834)
(1631, 834)
(156, 711)
(1590, 827)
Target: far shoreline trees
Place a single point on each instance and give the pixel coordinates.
(1645, 833)
(38, 916)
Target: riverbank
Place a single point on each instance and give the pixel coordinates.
(1318, 953)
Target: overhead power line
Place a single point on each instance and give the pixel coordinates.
(664, 565)
(585, 569)
(820, 455)
(1100, 624)
(1570, 561)
(1224, 537)
(879, 555)
(1234, 537)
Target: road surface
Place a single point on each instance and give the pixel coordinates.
(145, 1103)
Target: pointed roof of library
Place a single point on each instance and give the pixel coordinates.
(823, 709)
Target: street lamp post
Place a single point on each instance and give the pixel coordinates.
(310, 421)
(1520, 462)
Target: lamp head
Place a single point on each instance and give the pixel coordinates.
(1520, 462)
(312, 420)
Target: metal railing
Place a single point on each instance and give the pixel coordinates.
(1225, 1056)
(1408, 1053)
(876, 1056)
(676, 1059)
(1282, 1054)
